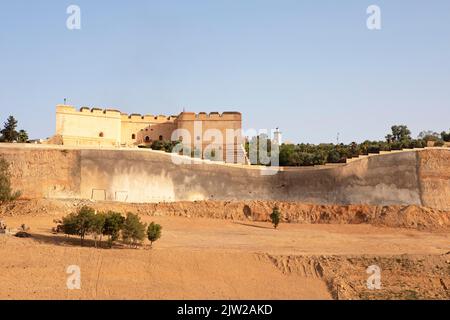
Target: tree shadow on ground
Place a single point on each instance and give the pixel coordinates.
(252, 225)
(72, 241)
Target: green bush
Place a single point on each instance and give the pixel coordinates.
(97, 226)
(70, 224)
(80, 223)
(164, 145)
(6, 193)
(445, 136)
(113, 224)
(275, 217)
(153, 232)
(133, 230)
(439, 143)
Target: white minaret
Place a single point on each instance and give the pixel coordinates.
(277, 137)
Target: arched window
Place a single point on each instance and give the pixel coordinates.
(133, 136)
(101, 135)
(147, 139)
(160, 138)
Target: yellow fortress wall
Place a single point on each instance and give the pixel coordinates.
(420, 177)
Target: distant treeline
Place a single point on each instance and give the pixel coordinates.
(311, 154)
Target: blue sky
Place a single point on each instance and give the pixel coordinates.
(310, 67)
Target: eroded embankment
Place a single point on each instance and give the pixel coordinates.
(401, 277)
(414, 217)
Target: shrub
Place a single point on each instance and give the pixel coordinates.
(439, 143)
(80, 223)
(133, 230)
(112, 226)
(69, 224)
(445, 136)
(84, 221)
(275, 217)
(153, 232)
(96, 226)
(163, 145)
(6, 193)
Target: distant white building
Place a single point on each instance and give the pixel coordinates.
(277, 138)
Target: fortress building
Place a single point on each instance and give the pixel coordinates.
(213, 134)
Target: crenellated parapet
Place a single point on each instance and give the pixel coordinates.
(203, 116)
(148, 118)
(95, 111)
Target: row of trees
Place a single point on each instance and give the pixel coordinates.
(111, 225)
(10, 134)
(400, 138)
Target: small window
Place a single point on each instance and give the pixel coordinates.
(160, 138)
(147, 139)
(101, 135)
(133, 136)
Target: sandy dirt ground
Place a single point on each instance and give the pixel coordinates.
(200, 258)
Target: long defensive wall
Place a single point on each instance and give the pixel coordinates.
(419, 177)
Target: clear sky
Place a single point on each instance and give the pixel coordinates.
(310, 67)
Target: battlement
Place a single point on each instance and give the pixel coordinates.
(225, 116)
(134, 117)
(87, 111)
(148, 118)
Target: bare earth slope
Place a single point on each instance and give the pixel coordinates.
(233, 256)
(410, 216)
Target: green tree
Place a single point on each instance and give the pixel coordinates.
(428, 135)
(84, 221)
(154, 232)
(112, 226)
(9, 133)
(445, 136)
(439, 143)
(6, 193)
(334, 157)
(275, 217)
(163, 145)
(133, 230)
(400, 133)
(97, 226)
(22, 136)
(70, 224)
(287, 152)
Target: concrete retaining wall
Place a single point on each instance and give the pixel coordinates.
(410, 177)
